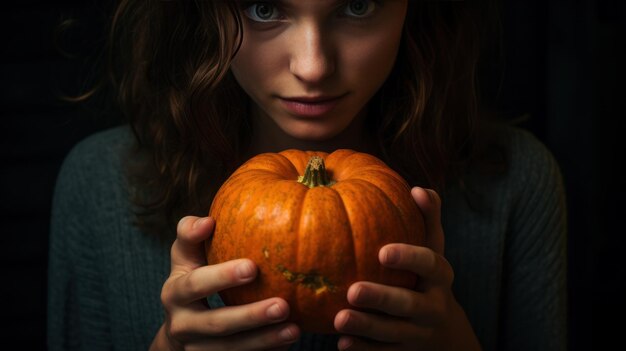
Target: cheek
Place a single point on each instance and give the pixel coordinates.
(253, 67)
(375, 57)
(244, 71)
(239, 69)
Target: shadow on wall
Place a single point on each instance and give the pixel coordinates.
(38, 130)
(565, 68)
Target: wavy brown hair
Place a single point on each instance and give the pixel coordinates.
(169, 63)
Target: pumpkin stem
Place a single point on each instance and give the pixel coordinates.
(315, 174)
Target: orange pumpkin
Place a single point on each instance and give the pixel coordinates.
(313, 223)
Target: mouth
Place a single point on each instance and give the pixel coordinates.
(311, 106)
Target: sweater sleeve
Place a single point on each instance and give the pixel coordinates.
(77, 314)
(534, 309)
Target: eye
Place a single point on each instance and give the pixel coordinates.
(359, 8)
(262, 12)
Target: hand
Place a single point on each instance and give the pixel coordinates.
(191, 325)
(427, 318)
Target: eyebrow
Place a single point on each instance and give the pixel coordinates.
(287, 4)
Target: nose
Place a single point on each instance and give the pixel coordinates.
(311, 54)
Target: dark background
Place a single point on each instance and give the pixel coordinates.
(563, 66)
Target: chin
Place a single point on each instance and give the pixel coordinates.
(315, 135)
(317, 131)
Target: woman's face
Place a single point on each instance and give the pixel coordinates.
(311, 66)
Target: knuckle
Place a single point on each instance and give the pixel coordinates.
(384, 298)
(167, 296)
(193, 284)
(182, 224)
(177, 328)
(225, 273)
(432, 263)
(364, 323)
(439, 309)
(417, 252)
(450, 277)
(414, 306)
(272, 338)
(255, 314)
(441, 270)
(428, 261)
(216, 327)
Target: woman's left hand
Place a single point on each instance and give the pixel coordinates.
(427, 318)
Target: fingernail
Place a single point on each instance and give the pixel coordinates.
(244, 270)
(274, 312)
(345, 343)
(391, 256)
(343, 321)
(287, 334)
(360, 293)
(431, 195)
(200, 222)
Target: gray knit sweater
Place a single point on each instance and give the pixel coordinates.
(508, 252)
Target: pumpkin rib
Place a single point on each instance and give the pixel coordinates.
(398, 185)
(388, 173)
(297, 231)
(271, 267)
(378, 193)
(297, 161)
(236, 184)
(274, 163)
(291, 164)
(347, 214)
(389, 202)
(313, 243)
(353, 163)
(323, 260)
(241, 180)
(261, 171)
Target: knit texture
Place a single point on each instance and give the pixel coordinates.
(507, 247)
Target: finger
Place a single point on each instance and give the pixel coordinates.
(201, 282)
(418, 259)
(429, 203)
(188, 249)
(271, 337)
(395, 301)
(228, 320)
(378, 327)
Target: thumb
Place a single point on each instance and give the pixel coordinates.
(429, 203)
(188, 250)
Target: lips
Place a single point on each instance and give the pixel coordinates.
(310, 106)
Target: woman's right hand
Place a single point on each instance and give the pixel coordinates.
(191, 325)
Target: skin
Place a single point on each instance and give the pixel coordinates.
(315, 49)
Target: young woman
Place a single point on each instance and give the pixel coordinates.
(206, 85)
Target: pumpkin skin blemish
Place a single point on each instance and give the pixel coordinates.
(313, 222)
(311, 280)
